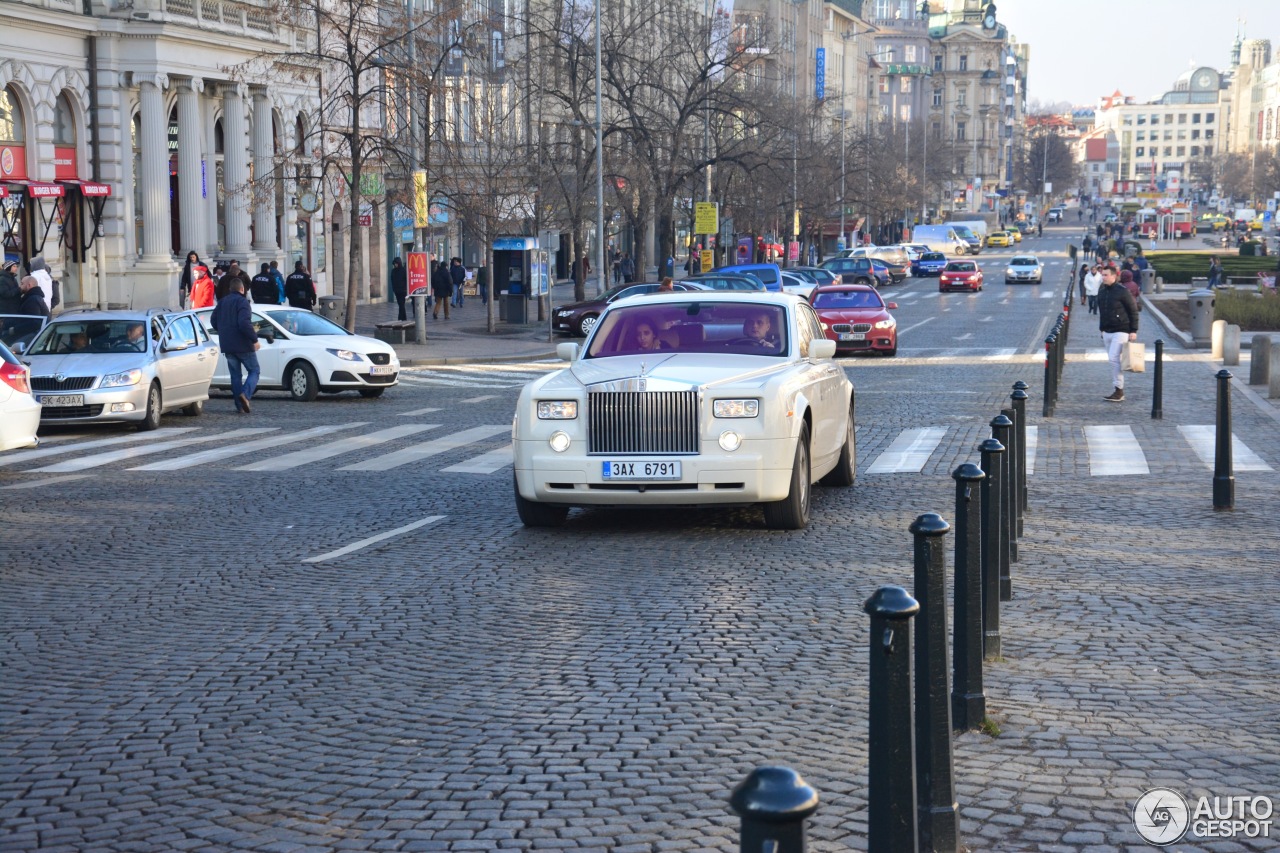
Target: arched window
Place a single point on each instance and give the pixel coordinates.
(64, 126)
(11, 121)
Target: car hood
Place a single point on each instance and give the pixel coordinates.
(87, 364)
(597, 304)
(666, 371)
(355, 343)
(852, 315)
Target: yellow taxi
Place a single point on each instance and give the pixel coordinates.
(1015, 233)
(999, 239)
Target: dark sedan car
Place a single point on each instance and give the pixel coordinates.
(896, 272)
(857, 271)
(580, 317)
(727, 281)
(929, 263)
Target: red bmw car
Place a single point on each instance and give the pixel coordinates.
(960, 275)
(856, 318)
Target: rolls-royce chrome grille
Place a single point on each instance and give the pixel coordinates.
(642, 422)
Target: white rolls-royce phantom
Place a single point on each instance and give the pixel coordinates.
(688, 398)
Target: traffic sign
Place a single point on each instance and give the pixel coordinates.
(706, 218)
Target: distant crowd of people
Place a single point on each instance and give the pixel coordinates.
(201, 287)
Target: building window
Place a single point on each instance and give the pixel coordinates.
(906, 85)
(1168, 136)
(964, 62)
(1168, 118)
(11, 122)
(1195, 150)
(960, 131)
(1182, 135)
(1142, 136)
(1208, 151)
(904, 113)
(909, 53)
(1168, 151)
(1182, 118)
(1182, 150)
(1208, 134)
(884, 85)
(1195, 118)
(937, 97)
(1141, 120)
(937, 62)
(1140, 151)
(1195, 134)
(937, 130)
(1208, 118)
(64, 127)
(961, 97)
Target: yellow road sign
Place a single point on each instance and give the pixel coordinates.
(706, 218)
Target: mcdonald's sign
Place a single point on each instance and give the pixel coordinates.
(418, 268)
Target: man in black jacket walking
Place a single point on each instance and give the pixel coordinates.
(399, 284)
(263, 287)
(299, 289)
(239, 342)
(1118, 322)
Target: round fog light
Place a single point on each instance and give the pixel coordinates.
(559, 441)
(122, 407)
(730, 440)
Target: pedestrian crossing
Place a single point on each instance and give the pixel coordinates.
(356, 447)
(480, 377)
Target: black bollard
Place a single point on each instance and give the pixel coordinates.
(1224, 478)
(1050, 374)
(773, 803)
(1157, 383)
(1060, 333)
(935, 773)
(1000, 429)
(968, 703)
(891, 736)
(1013, 452)
(991, 450)
(1019, 397)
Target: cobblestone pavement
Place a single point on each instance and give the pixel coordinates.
(177, 675)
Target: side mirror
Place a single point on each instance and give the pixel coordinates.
(892, 306)
(567, 352)
(824, 348)
(173, 346)
(19, 348)
(268, 334)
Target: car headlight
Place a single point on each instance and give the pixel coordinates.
(736, 408)
(345, 354)
(116, 380)
(1010, 271)
(557, 410)
(886, 324)
(559, 441)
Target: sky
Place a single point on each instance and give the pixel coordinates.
(1084, 49)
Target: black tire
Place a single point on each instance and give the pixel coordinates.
(534, 514)
(155, 407)
(193, 410)
(792, 512)
(586, 324)
(846, 470)
(863, 280)
(371, 392)
(891, 353)
(300, 379)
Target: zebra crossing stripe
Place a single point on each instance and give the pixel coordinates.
(21, 456)
(480, 399)
(1114, 451)
(335, 448)
(908, 452)
(416, 412)
(1033, 442)
(99, 459)
(466, 382)
(494, 460)
(227, 451)
(427, 449)
(47, 481)
(1203, 440)
(373, 540)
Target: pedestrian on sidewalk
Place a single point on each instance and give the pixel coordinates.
(239, 342)
(399, 285)
(299, 289)
(628, 268)
(202, 285)
(263, 287)
(458, 275)
(1215, 272)
(1083, 274)
(1092, 283)
(1118, 322)
(442, 287)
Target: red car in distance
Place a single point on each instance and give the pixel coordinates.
(960, 275)
(856, 318)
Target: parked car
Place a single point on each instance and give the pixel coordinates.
(930, 264)
(817, 275)
(19, 411)
(727, 281)
(1024, 268)
(579, 318)
(894, 256)
(20, 329)
(896, 273)
(121, 366)
(999, 239)
(744, 405)
(770, 274)
(960, 275)
(857, 271)
(304, 354)
(1055, 214)
(797, 285)
(856, 318)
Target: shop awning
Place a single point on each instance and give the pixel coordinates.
(39, 189)
(89, 189)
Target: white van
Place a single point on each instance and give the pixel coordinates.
(940, 238)
(977, 226)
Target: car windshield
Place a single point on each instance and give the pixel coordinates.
(847, 299)
(841, 264)
(305, 323)
(17, 328)
(933, 256)
(91, 336)
(1023, 262)
(692, 327)
(728, 283)
(961, 266)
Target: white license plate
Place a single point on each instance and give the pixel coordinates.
(381, 370)
(62, 400)
(639, 470)
(853, 336)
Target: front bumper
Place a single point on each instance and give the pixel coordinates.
(759, 471)
(20, 422)
(100, 406)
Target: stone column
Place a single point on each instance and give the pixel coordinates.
(191, 179)
(235, 171)
(155, 168)
(264, 179)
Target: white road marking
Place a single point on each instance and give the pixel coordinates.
(1048, 294)
(228, 450)
(1033, 441)
(336, 448)
(1203, 440)
(99, 459)
(1114, 452)
(908, 452)
(469, 382)
(964, 337)
(431, 448)
(480, 399)
(916, 326)
(494, 460)
(47, 481)
(416, 412)
(373, 540)
(987, 319)
(21, 456)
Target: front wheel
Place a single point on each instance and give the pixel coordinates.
(154, 404)
(792, 512)
(193, 410)
(535, 514)
(302, 382)
(846, 469)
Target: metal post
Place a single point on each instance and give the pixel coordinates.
(991, 450)
(968, 703)
(1050, 372)
(1224, 480)
(420, 317)
(891, 745)
(1019, 397)
(1157, 383)
(1011, 479)
(1000, 429)
(935, 772)
(773, 803)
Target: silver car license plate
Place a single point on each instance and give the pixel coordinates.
(853, 336)
(381, 370)
(62, 400)
(640, 470)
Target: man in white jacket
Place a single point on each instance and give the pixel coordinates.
(1092, 281)
(44, 280)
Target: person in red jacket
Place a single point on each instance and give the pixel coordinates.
(201, 287)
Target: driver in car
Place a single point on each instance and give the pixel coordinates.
(133, 337)
(758, 328)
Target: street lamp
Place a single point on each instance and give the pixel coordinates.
(600, 268)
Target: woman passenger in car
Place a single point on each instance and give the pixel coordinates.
(647, 337)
